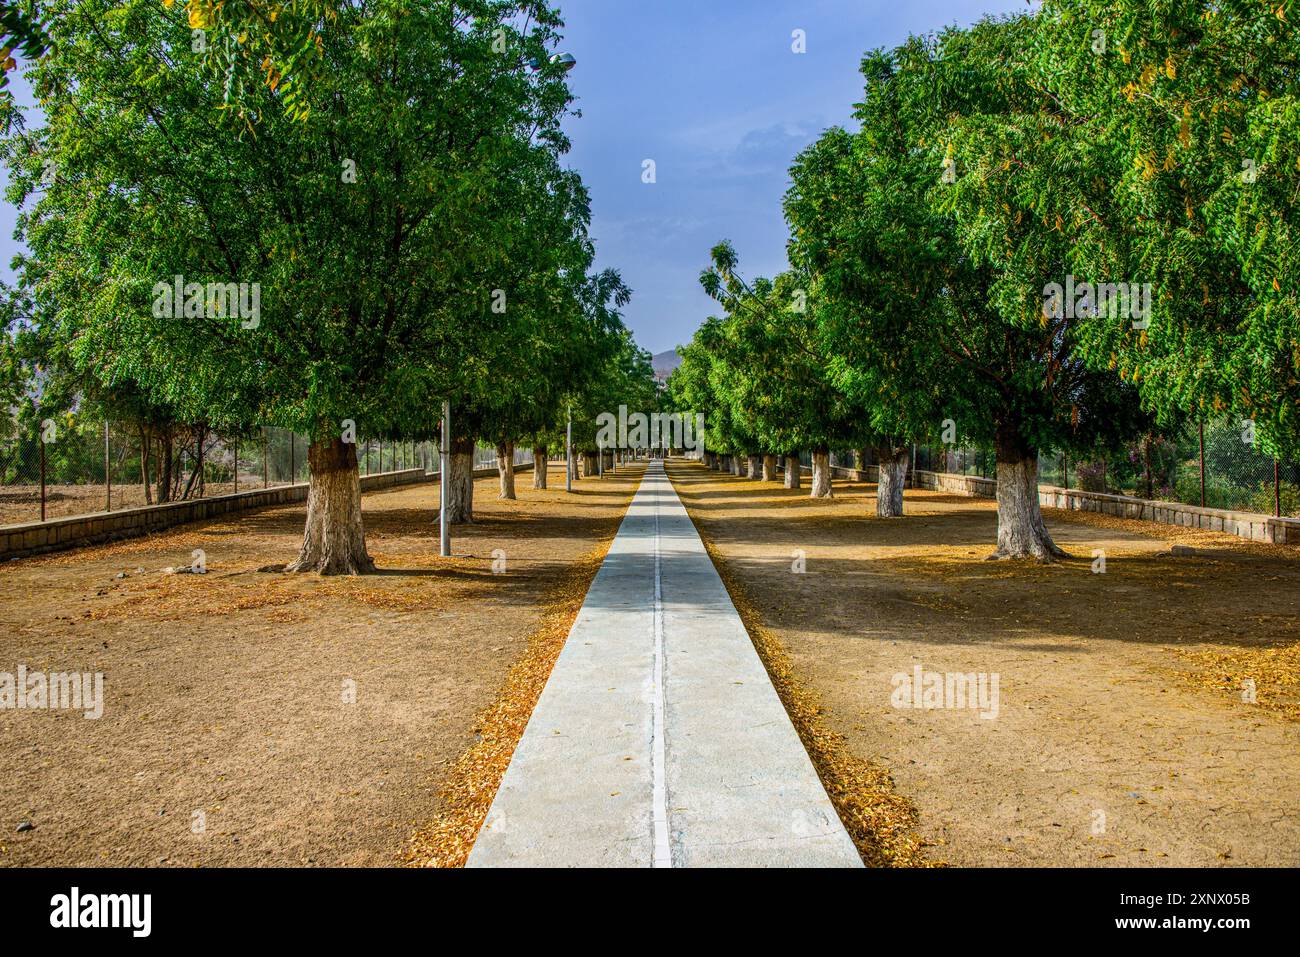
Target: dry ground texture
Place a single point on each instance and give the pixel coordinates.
(224, 693)
(1121, 736)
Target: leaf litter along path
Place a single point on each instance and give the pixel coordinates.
(1121, 736)
(224, 692)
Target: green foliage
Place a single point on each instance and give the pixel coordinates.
(759, 375)
(376, 294)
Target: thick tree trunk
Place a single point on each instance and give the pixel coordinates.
(506, 468)
(793, 472)
(334, 542)
(821, 477)
(539, 467)
(769, 468)
(1021, 531)
(715, 462)
(754, 467)
(588, 464)
(460, 483)
(892, 479)
(734, 462)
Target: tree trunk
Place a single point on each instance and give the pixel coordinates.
(165, 469)
(588, 464)
(892, 479)
(860, 465)
(821, 477)
(539, 467)
(145, 441)
(793, 472)
(460, 483)
(335, 539)
(754, 467)
(769, 468)
(715, 462)
(1021, 531)
(506, 468)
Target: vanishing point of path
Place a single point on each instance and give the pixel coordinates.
(659, 740)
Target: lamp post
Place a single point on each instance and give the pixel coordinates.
(444, 477)
(568, 452)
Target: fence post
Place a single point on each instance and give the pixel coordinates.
(202, 487)
(266, 462)
(1277, 489)
(236, 466)
(1065, 473)
(108, 474)
(293, 458)
(1202, 465)
(42, 477)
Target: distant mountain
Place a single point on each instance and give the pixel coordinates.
(664, 364)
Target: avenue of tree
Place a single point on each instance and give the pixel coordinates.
(1097, 145)
(405, 218)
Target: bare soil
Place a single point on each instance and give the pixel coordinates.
(226, 694)
(1121, 735)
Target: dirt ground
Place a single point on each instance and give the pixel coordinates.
(1121, 736)
(226, 695)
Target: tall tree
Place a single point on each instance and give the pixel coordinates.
(363, 239)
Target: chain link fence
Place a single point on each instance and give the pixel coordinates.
(69, 466)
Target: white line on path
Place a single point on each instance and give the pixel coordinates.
(663, 856)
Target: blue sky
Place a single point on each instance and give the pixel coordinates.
(712, 92)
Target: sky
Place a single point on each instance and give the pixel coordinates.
(713, 93)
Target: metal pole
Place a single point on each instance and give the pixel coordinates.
(1202, 465)
(568, 453)
(1277, 489)
(600, 460)
(108, 474)
(266, 462)
(293, 462)
(42, 478)
(444, 477)
(236, 466)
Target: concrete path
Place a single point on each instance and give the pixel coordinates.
(659, 740)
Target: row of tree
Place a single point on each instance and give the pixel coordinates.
(1056, 230)
(397, 233)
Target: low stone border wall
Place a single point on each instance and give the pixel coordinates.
(57, 534)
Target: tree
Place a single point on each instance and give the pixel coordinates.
(332, 273)
(781, 370)
(1010, 373)
(1182, 129)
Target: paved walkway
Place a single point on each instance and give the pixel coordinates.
(659, 740)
